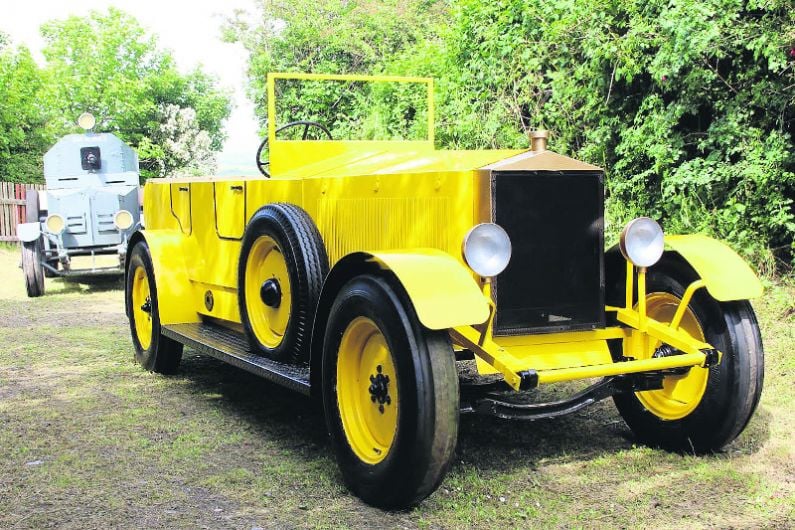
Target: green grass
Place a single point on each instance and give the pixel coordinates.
(87, 439)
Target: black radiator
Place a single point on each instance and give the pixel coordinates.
(555, 280)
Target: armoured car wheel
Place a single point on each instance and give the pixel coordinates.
(31, 267)
(705, 408)
(153, 350)
(390, 394)
(282, 266)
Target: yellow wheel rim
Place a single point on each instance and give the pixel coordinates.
(266, 262)
(680, 394)
(367, 393)
(142, 307)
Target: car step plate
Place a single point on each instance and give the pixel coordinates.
(232, 347)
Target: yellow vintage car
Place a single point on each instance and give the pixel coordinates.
(368, 273)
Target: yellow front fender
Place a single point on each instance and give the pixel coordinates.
(174, 290)
(443, 291)
(726, 275)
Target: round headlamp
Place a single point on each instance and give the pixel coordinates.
(642, 242)
(55, 224)
(487, 249)
(123, 219)
(86, 121)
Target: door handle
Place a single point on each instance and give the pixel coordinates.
(236, 187)
(184, 188)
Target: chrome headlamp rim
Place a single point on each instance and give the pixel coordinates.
(117, 222)
(487, 270)
(649, 229)
(55, 217)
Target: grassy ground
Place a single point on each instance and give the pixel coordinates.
(87, 439)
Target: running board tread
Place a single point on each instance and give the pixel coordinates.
(232, 347)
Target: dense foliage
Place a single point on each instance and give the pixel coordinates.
(22, 124)
(688, 105)
(108, 65)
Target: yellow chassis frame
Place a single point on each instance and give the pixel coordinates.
(639, 332)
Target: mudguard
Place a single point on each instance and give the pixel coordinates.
(27, 232)
(175, 294)
(443, 291)
(727, 276)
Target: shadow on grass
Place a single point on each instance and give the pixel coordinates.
(491, 445)
(88, 284)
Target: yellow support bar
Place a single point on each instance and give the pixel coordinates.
(487, 350)
(689, 292)
(628, 367)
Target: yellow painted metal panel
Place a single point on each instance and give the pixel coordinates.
(180, 205)
(442, 290)
(230, 208)
(377, 213)
(726, 274)
(174, 289)
(328, 158)
(552, 356)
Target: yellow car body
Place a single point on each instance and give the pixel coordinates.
(401, 210)
(409, 206)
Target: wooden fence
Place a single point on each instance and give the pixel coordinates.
(12, 208)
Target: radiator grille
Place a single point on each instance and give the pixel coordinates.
(555, 280)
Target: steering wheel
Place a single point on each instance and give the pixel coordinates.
(263, 165)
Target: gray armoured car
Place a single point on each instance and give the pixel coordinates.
(90, 207)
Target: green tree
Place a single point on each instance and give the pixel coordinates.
(689, 105)
(22, 122)
(107, 64)
(335, 36)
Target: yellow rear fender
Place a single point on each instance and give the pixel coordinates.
(441, 289)
(727, 276)
(174, 290)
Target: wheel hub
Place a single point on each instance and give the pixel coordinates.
(271, 293)
(146, 307)
(379, 389)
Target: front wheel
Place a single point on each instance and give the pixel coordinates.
(390, 394)
(32, 269)
(703, 409)
(153, 350)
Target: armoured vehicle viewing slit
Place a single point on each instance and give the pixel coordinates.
(90, 208)
(366, 273)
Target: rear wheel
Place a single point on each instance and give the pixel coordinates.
(705, 408)
(32, 269)
(153, 350)
(390, 394)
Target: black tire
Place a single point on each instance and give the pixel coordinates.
(162, 355)
(426, 428)
(306, 261)
(733, 386)
(32, 269)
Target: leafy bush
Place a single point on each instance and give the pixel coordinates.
(688, 105)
